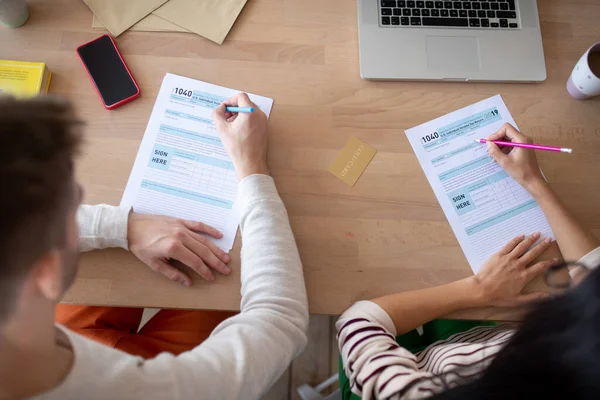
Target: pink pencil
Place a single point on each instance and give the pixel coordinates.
(528, 146)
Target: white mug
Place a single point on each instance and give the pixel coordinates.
(584, 81)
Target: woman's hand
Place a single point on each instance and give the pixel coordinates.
(520, 164)
(156, 240)
(503, 277)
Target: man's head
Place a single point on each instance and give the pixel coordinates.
(38, 229)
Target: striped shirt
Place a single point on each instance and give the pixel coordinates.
(378, 368)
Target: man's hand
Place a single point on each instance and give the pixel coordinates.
(244, 136)
(520, 164)
(156, 240)
(503, 277)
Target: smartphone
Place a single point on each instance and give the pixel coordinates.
(108, 72)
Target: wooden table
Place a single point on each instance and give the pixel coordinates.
(386, 234)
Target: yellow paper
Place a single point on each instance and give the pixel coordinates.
(209, 18)
(119, 15)
(352, 161)
(150, 23)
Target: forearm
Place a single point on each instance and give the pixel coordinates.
(409, 310)
(254, 347)
(272, 272)
(573, 239)
(370, 355)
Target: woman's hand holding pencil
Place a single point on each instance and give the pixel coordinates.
(520, 163)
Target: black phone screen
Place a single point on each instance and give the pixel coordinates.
(107, 70)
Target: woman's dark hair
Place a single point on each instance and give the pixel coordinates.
(554, 355)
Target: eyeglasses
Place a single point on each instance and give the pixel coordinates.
(558, 277)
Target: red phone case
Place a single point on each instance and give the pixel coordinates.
(120, 103)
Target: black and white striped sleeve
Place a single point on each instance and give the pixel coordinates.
(376, 366)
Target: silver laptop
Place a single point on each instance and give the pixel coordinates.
(486, 40)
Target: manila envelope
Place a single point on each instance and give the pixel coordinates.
(150, 23)
(209, 18)
(352, 161)
(119, 15)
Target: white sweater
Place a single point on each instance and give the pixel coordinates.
(244, 355)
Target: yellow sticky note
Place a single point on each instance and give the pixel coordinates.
(352, 161)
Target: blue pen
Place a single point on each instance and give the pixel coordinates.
(240, 109)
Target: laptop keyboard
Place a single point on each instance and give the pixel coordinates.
(462, 14)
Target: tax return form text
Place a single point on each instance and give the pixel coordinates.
(181, 169)
(485, 207)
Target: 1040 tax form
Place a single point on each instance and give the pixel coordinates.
(485, 207)
(181, 169)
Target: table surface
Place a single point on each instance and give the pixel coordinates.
(386, 234)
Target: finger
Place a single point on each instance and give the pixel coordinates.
(536, 251)
(219, 114)
(500, 134)
(207, 251)
(508, 247)
(170, 272)
(221, 117)
(224, 115)
(497, 154)
(514, 135)
(538, 269)
(244, 101)
(522, 247)
(531, 298)
(233, 101)
(178, 251)
(216, 250)
(196, 226)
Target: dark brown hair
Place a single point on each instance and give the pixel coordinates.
(555, 354)
(38, 139)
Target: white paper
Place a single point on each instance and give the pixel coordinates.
(181, 169)
(485, 207)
